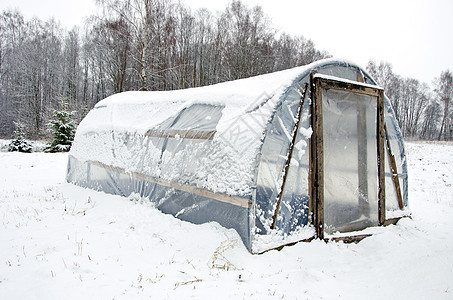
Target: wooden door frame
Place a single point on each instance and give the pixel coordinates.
(318, 82)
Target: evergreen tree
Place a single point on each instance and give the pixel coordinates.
(19, 143)
(63, 130)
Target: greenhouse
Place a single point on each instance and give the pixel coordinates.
(310, 152)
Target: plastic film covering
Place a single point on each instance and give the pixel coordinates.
(397, 146)
(341, 71)
(350, 161)
(183, 141)
(293, 214)
(391, 196)
(188, 205)
(218, 153)
(273, 157)
(171, 165)
(196, 116)
(395, 138)
(294, 208)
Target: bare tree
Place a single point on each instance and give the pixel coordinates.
(248, 43)
(431, 121)
(132, 45)
(37, 73)
(415, 99)
(71, 68)
(307, 53)
(444, 93)
(12, 31)
(391, 82)
(286, 52)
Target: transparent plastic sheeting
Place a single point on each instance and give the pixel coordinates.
(274, 154)
(350, 161)
(172, 155)
(180, 158)
(398, 151)
(197, 116)
(294, 209)
(184, 205)
(294, 212)
(185, 161)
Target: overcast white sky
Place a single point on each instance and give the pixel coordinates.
(415, 36)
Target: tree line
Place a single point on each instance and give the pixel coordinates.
(164, 45)
(132, 45)
(422, 113)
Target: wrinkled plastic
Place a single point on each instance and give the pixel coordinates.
(173, 159)
(224, 160)
(350, 161)
(181, 204)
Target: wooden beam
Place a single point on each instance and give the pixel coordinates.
(330, 82)
(318, 155)
(350, 239)
(290, 155)
(345, 239)
(234, 200)
(394, 170)
(279, 248)
(393, 221)
(380, 135)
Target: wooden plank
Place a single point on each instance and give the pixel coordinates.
(183, 134)
(330, 82)
(289, 157)
(318, 163)
(234, 200)
(360, 77)
(393, 221)
(394, 170)
(279, 248)
(345, 239)
(381, 157)
(350, 239)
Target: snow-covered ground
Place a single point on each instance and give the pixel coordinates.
(59, 241)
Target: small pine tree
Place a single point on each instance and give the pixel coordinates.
(19, 143)
(63, 130)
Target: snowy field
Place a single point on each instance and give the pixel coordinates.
(59, 241)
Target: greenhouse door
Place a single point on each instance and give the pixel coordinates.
(347, 155)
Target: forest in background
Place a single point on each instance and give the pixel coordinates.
(164, 45)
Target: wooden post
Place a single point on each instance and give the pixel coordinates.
(317, 157)
(380, 134)
(290, 155)
(395, 178)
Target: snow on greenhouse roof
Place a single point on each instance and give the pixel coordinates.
(107, 133)
(137, 111)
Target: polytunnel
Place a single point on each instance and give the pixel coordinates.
(309, 152)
